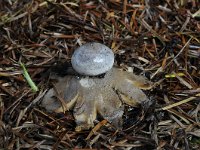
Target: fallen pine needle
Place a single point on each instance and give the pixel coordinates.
(97, 127)
(28, 78)
(181, 102)
(174, 75)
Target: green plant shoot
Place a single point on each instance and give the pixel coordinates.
(28, 78)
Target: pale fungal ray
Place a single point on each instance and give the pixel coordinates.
(88, 97)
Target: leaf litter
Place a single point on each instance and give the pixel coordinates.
(153, 38)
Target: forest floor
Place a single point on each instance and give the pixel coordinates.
(157, 39)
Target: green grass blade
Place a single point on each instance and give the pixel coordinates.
(28, 78)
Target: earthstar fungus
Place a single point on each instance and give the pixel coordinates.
(88, 96)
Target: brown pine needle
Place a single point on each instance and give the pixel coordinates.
(181, 102)
(97, 127)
